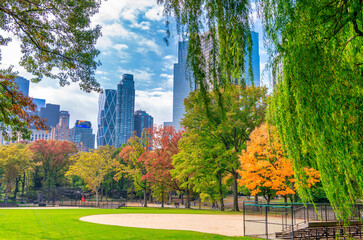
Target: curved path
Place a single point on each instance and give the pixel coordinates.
(228, 225)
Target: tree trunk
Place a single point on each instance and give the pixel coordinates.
(200, 202)
(285, 199)
(145, 196)
(97, 199)
(182, 198)
(162, 196)
(220, 189)
(235, 192)
(256, 199)
(187, 202)
(16, 188)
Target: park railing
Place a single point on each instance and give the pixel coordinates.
(288, 220)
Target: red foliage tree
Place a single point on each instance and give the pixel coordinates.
(164, 144)
(52, 160)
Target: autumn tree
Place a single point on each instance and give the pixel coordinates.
(228, 119)
(92, 167)
(164, 144)
(15, 162)
(52, 160)
(264, 167)
(131, 163)
(56, 42)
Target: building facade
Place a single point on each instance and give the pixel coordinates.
(182, 85)
(142, 121)
(125, 105)
(51, 114)
(23, 85)
(40, 103)
(62, 131)
(82, 135)
(40, 134)
(106, 118)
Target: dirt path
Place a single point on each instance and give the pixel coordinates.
(228, 225)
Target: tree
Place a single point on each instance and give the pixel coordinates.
(132, 164)
(164, 144)
(15, 161)
(228, 119)
(56, 42)
(316, 48)
(92, 167)
(198, 164)
(264, 167)
(52, 158)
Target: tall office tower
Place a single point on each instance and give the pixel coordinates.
(182, 86)
(125, 105)
(62, 131)
(51, 114)
(82, 135)
(255, 61)
(142, 121)
(23, 85)
(106, 118)
(40, 103)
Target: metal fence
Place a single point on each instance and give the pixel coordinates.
(298, 221)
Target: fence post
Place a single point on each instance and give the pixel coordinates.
(292, 221)
(266, 225)
(244, 219)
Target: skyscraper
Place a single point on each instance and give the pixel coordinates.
(255, 61)
(39, 102)
(51, 113)
(106, 118)
(82, 135)
(23, 85)
(142, 121)
(182, 86)
(62, 131)
(125, 105)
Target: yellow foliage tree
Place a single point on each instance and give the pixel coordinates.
(264, 168)
(15, 160)
(92, 167)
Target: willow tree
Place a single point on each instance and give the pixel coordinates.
(316, 49)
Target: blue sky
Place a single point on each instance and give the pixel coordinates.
(132, 42)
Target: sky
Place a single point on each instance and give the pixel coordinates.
(132, 42)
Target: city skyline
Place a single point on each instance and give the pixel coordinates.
(132, 42)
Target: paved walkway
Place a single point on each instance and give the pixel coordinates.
(228, 225)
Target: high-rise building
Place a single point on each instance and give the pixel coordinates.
(182, 85)
(40, 103)
(51, 114)
(255, 61)
(62, 131)
(125, 105)
(142, 121)
(40, 134)
(82, 135)
(23, 85)
(106, 118)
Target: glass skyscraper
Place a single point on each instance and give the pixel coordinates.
(142, 121)
(125, 105)
(51, 113)
(82, 135)
(255, 61)
(23, 85)
(106, 118)
(182, 86)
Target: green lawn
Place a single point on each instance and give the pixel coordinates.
(64, 224)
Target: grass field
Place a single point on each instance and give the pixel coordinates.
(64, 224)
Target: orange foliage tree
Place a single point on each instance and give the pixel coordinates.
(264, 168)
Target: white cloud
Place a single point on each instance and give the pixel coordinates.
(147, 45)
(141, 77)
(81, 105)
(169, 61)
(169, 80)
(157, 103)
(120, 46)
(143, 25)
(155, 13)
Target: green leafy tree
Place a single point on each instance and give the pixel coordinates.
(132, 165)
(56, 42)
(317, 56)
(228, 119)
(92, 167)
